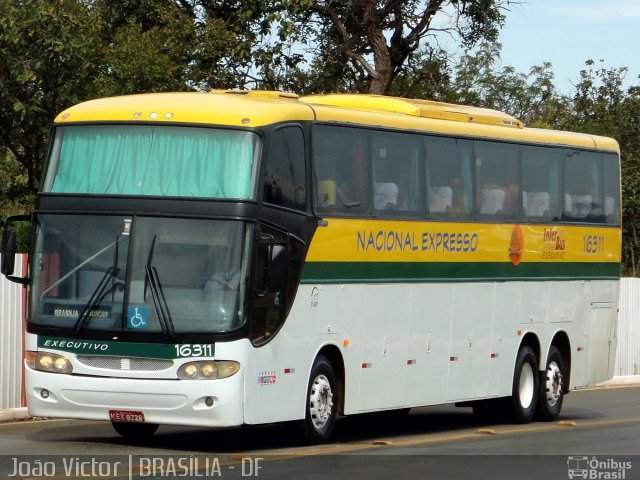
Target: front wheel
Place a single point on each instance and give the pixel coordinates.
(321, 403)
(524, 393)
(552, 387)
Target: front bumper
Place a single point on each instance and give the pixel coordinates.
(174, 402)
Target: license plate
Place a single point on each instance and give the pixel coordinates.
(126, 416)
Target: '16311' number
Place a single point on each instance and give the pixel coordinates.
(189, 350)
(593, 243)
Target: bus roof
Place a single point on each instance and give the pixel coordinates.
(258, 108)
(245, 109)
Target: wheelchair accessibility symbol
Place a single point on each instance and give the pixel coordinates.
(137, 316)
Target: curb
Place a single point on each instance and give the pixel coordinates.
(13, 414)
(620, 381)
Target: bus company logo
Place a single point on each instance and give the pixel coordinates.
(315, 297)
(597, 469)
(553, 244)
(516, 246)
(267, 378)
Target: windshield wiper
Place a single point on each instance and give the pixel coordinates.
(160, 301)
(151, 279)
(96, 297)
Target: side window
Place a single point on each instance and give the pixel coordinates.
(540, 175)
(497, 180)
(396, 173)
(611, 174)
(340, 169)
(583, 199)
(449, 177)
(284, 177)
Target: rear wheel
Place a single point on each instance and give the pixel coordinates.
(135, 430)
(552, 387)
(321, 408)
(524, 393)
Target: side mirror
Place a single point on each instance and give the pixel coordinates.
(10, 248)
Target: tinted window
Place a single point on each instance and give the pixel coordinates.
(541, 200)
(396, 173)
(341, 169)
(408, 175)
(152, 160)
(284, 178)
(583, 199)
(497, 179)
(449, 177)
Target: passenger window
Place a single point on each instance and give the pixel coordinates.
(284, 178)
(541, 183)
(583, 200)
(610, 171)
(396, 172)
(449, 177)
(497, 179)
(340, 169)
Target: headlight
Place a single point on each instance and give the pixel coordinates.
(191, 370)
(48, 362)
(208, 370)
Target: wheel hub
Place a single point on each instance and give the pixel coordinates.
(320, 401)
(553, 384)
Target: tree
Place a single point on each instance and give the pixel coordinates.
(160, 45)
(479, 79)
(372, 43)
(47, 52)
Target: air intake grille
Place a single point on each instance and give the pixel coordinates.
(134, 364)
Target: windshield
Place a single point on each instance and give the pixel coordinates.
(139, 274)
(153, 160)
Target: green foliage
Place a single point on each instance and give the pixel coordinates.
(375, 46)
(47, 50)
(531, 97)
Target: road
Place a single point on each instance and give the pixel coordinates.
(597, 436)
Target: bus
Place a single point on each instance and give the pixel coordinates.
(236, 258)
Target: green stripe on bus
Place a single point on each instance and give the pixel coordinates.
(126, 349)
(356, 272)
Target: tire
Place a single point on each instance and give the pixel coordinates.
(551, 386)
(524, 393)
(135, 430)
(321, 403)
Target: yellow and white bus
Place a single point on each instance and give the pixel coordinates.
(231, 258)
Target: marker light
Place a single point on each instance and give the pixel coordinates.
(208, 370)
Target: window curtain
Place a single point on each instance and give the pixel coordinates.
(160, 161)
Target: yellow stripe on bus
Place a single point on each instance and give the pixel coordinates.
(353, 240)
